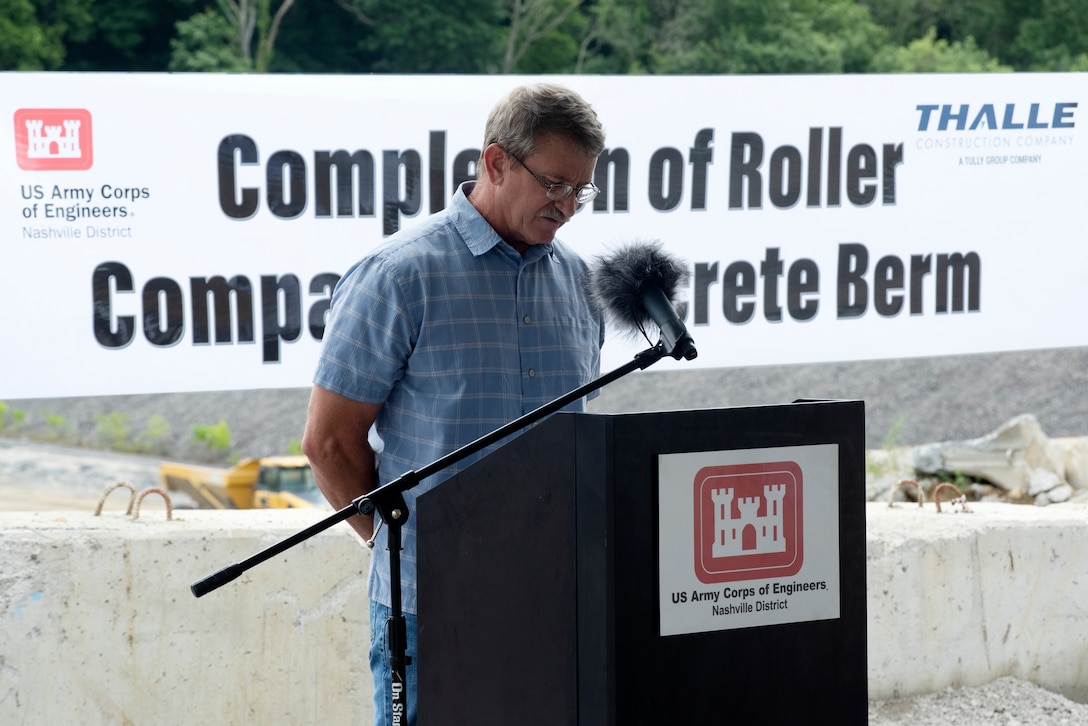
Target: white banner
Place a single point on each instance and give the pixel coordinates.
(182, 232)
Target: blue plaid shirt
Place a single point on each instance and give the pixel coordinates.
(455, 334)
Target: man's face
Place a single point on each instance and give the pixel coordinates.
(529, 216)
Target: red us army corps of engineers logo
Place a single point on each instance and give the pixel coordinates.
(53, 139)
(748, 521)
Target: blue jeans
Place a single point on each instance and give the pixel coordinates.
(382, 673)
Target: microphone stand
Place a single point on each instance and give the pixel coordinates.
(389, 501)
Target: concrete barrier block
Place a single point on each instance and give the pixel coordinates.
(960, 599)
(98, 625)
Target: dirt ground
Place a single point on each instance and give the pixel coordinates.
(39, 477)
(17, 499)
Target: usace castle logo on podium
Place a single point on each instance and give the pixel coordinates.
(57, 139)
(748, 522)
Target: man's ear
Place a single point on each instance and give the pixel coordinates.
(496, 163)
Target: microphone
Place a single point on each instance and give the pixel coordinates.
(634, 286)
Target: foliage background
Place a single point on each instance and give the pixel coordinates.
(545, 36)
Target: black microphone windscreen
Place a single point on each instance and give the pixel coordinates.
(619, 279)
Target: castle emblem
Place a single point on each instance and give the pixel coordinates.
(748, 521)
(53, 141)
(751, 532)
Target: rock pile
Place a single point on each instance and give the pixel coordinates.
(1016, 463)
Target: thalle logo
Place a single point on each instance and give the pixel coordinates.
(53, 139)
(748, 521)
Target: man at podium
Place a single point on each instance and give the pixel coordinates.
(456, 326)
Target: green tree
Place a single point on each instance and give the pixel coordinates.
(616, 38)
(932, 55)
(539, 23)
(544, 36)
(1025, 35)
(255, 27)
(853, 34)
(421, 36)
(205, 43)
(908, 20)
(1054, 38)
(767, 36)
(322, 38)
(33, 34)
(128, 36)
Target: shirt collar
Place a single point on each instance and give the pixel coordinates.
(479, 236)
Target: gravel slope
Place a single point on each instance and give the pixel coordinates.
(907, 402)
(911, 400)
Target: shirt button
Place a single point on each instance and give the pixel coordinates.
(532, 373)
(527, 319)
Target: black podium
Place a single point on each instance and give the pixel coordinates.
(697, 567)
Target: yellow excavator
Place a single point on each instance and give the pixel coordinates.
(271, 482)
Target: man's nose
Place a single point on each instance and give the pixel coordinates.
(568, 206)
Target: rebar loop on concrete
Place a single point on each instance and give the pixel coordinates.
(959, 495)
(165, 496)
(907, 483)
(106, 493)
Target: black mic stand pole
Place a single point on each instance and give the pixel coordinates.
(389, 502)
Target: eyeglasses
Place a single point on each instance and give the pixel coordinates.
(558, 192)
